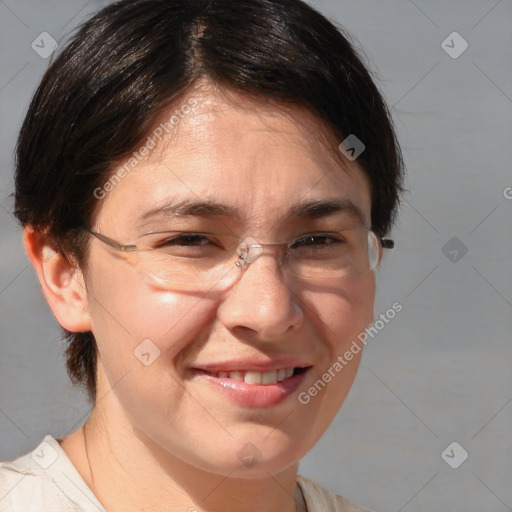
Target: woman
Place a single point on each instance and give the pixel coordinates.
(205, 187)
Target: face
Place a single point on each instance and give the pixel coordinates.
(188, 399)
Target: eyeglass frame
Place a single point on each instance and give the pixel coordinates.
(243, 252)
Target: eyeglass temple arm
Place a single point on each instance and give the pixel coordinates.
(112, 243)
(387, 243)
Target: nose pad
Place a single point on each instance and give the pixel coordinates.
(248, 250)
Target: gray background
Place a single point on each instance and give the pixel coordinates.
(437, 373)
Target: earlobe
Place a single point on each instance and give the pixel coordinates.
(61, 281)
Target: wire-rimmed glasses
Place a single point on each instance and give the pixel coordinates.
(193, 259)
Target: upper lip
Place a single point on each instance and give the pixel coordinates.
(251, 365)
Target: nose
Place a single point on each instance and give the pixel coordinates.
(262, 303)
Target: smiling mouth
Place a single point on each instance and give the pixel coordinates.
(259, 378)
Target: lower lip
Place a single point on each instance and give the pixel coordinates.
(254, 395)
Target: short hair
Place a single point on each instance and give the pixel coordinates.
(98, 100)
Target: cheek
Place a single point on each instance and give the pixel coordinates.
(344, 311)
(130, 319)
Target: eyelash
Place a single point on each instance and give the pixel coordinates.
(303, 238)
(182, 237)
(323, 236)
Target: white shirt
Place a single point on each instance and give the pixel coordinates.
(45, 480)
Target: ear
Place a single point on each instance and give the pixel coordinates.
(62, 282)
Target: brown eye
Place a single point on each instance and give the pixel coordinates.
(313, 240)
(187, 240)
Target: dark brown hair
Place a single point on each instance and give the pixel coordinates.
(99, 99)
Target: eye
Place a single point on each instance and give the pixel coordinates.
(319, 247)
(314, 240)
(186, 245)
(185, 240)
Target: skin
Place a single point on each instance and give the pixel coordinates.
(158, 439)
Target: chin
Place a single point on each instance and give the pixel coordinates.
(250, 469)
(253, 457)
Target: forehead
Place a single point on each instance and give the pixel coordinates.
(262, 163)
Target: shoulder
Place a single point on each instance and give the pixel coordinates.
(319, 499)
(44, 479)
(21, 480)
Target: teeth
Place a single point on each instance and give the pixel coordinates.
(236, 376)
(269, 377)
(249, 377)
(253, 377)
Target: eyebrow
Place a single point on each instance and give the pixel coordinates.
(324, 207)
(307, 209)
